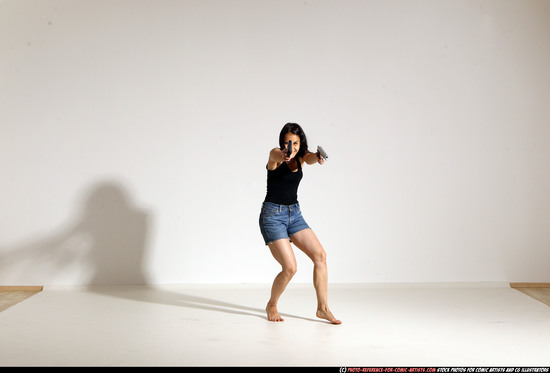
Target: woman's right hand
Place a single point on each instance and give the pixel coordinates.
(279, 155)
(276, 157)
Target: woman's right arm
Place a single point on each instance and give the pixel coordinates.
(276, 157)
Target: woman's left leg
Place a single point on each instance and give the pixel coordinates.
(307, 241)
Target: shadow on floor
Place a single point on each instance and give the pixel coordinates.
(172, 298)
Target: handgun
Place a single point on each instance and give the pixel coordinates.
(322, 153)
(289, 148)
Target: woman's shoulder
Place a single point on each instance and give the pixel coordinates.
(272, 167)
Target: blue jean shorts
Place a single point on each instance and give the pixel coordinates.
(280, 221)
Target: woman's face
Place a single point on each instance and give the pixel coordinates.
(295, 143)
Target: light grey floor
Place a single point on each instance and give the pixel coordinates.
(208, 325)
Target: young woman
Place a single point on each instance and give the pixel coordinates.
(281, 220)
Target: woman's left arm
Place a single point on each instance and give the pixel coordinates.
(312, 158)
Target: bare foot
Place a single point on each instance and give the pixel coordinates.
(327, 315)
(273, 314)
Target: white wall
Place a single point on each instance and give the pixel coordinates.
(134, 138)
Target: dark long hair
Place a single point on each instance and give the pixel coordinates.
(295, 129)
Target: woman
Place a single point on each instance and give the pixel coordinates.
(281, 220)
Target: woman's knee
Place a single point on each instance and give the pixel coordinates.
(290, 270)
(320, 257)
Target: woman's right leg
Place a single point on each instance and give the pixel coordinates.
(282, 252)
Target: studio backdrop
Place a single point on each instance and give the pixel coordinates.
(135, 136)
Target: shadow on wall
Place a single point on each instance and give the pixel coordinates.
(107, 242)
(118, 232)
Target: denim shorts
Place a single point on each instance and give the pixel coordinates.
(280, 221)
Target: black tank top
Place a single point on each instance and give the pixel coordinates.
(282, 184)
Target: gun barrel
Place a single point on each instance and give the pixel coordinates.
(322, 152)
